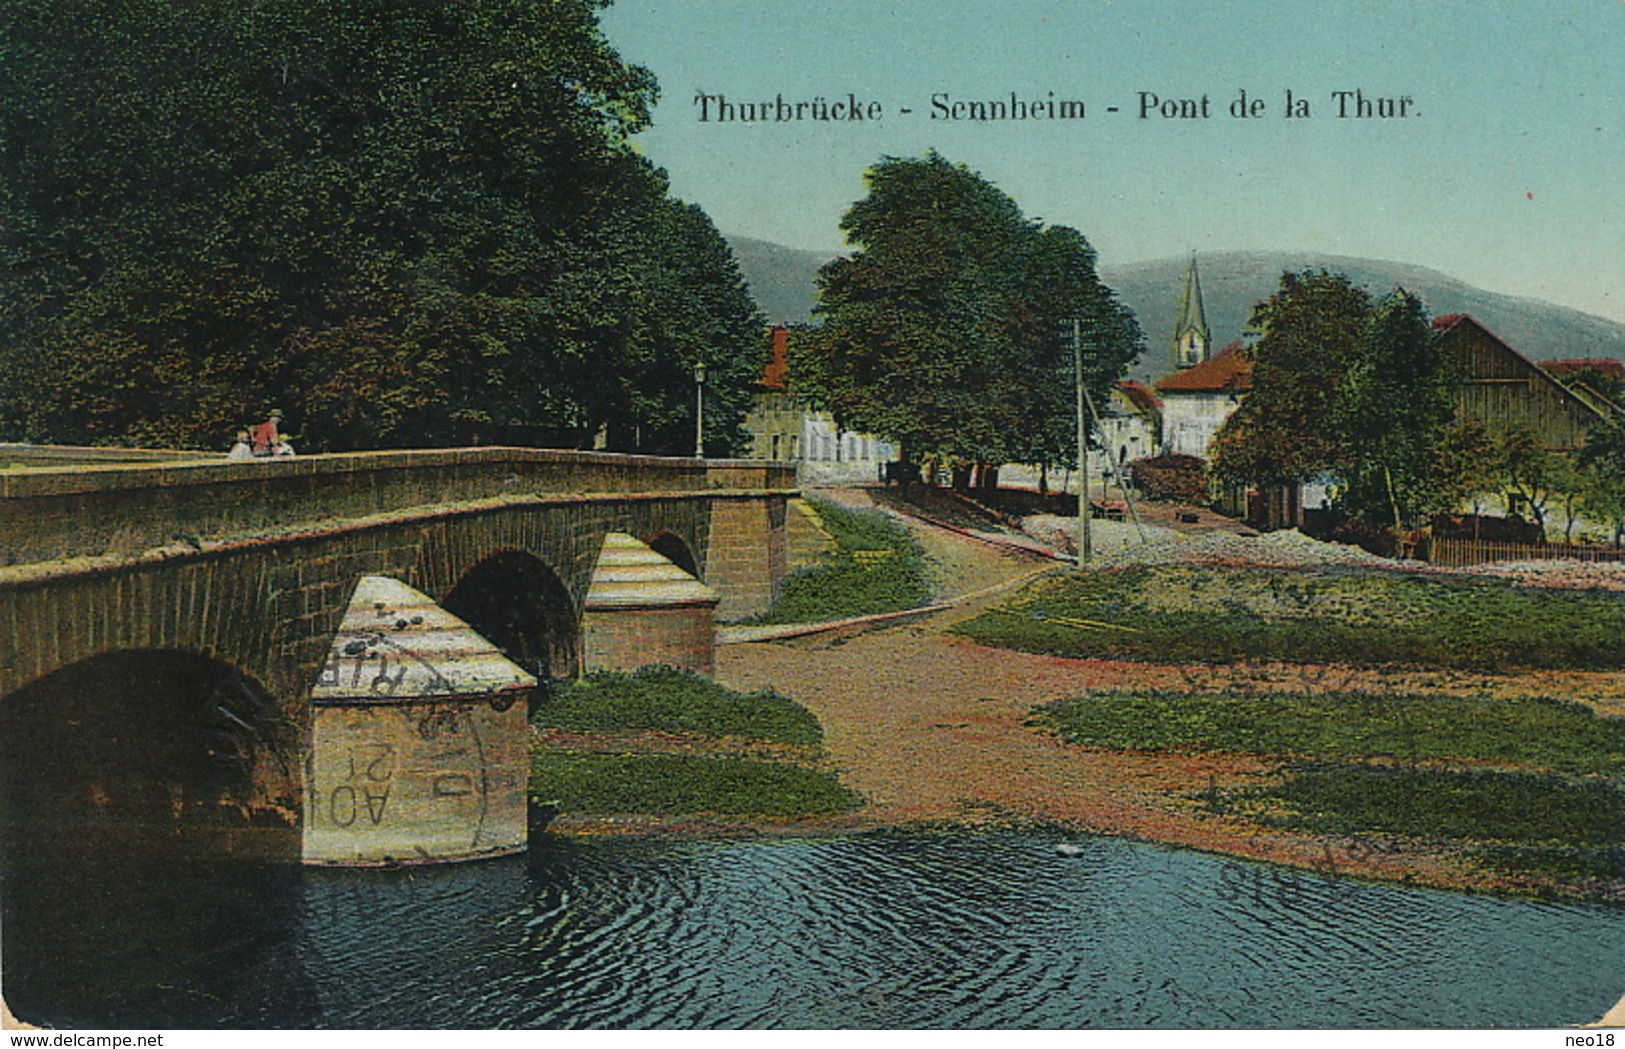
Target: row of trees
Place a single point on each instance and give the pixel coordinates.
(405, 224)
(1358, 389)
(944, 330)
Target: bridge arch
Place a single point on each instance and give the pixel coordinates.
(675, 549)
(141, 791)
(516, 601)
(149, 737)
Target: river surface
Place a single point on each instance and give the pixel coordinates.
(872, 931)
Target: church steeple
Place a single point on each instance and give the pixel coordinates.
(1190, 333)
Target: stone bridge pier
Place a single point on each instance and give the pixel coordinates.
(331, 658)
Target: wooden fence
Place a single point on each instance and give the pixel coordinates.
(1454, 553)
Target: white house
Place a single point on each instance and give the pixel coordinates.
(784, 430)
(1197, 400)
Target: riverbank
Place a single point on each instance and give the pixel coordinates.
(933, 730)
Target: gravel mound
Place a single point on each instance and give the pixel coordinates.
(1570, 575)
(1107, 537)
(1285, 549)
(1293, 549)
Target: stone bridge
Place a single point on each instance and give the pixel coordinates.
(321, 657)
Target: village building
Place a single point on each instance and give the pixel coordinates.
(1131, 422)
(1197, 400)
(783, 429)
(1494, 384)
(1504, 390)
(1205, 387)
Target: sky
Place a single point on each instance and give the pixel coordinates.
(1507, 171)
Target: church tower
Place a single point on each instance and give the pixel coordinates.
(1190, 334)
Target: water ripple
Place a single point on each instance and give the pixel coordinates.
(915, 931)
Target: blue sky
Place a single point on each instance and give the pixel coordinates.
(1510, 175)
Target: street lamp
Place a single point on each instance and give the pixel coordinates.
(699, 410)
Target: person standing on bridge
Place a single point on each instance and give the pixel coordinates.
(241, 450)
(263, 439)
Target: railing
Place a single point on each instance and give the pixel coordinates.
(1455, 553)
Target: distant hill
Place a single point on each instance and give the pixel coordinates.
(1232, 282)
(780, 278)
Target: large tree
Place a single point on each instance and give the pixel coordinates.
(1283, 430)
(1350, 388)
(1393, 414)
(403, 224)
(942, 330)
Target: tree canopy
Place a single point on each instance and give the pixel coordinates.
(1601, 475)
(1350, 387)
(942, 330)
(403, 224)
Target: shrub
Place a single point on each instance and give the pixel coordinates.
(1172, 478)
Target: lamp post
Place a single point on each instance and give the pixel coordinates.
(699, 411)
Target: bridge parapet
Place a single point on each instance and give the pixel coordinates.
(99, 510)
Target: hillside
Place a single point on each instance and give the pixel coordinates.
(782, 280)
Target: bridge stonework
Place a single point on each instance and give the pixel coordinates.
(253, 564)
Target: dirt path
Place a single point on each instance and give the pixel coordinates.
(930, 728)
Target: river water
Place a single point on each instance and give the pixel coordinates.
(871, 931)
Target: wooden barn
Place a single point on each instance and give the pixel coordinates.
(1503, 389)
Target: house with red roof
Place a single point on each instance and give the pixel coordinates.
(783, 429)
(1197, 400)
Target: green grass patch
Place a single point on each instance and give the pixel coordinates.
(667, 700)
(878, 567)
(1564, 863)
(1515, 808)
(1205, 614)
(1534, 733)
(663, 785)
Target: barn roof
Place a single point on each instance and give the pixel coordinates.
(1606, 366)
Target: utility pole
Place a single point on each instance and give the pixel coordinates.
(699, 411)
(1086, 551)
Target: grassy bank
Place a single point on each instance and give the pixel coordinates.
(1360, 617)
(684, 785)
(877, 567)
(1518, 823)
(665, 700)
(606, 770)
(1529, 788)
(1539, 734)
(1457, 804)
